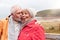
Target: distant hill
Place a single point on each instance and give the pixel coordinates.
(49, 13)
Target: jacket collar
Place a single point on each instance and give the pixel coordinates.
(31, 23)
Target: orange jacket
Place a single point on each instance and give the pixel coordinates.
(4, 29)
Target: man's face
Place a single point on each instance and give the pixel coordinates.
(17, 15)
(25, 15)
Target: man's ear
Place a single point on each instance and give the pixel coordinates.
(11, 13)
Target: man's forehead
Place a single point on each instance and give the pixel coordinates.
(15, 8)
(17, 11)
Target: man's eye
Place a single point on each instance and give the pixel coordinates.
(18, 13)
(21, 12)
(25, 13)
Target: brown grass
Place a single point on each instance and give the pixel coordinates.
(51, 27)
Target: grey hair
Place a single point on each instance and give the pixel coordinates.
(32, 12)
(15, 8)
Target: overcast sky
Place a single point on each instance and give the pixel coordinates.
(5, 5)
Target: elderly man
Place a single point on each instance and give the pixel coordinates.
(10, 26)
(31, 30)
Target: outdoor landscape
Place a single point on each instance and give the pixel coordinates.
(50, 20)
